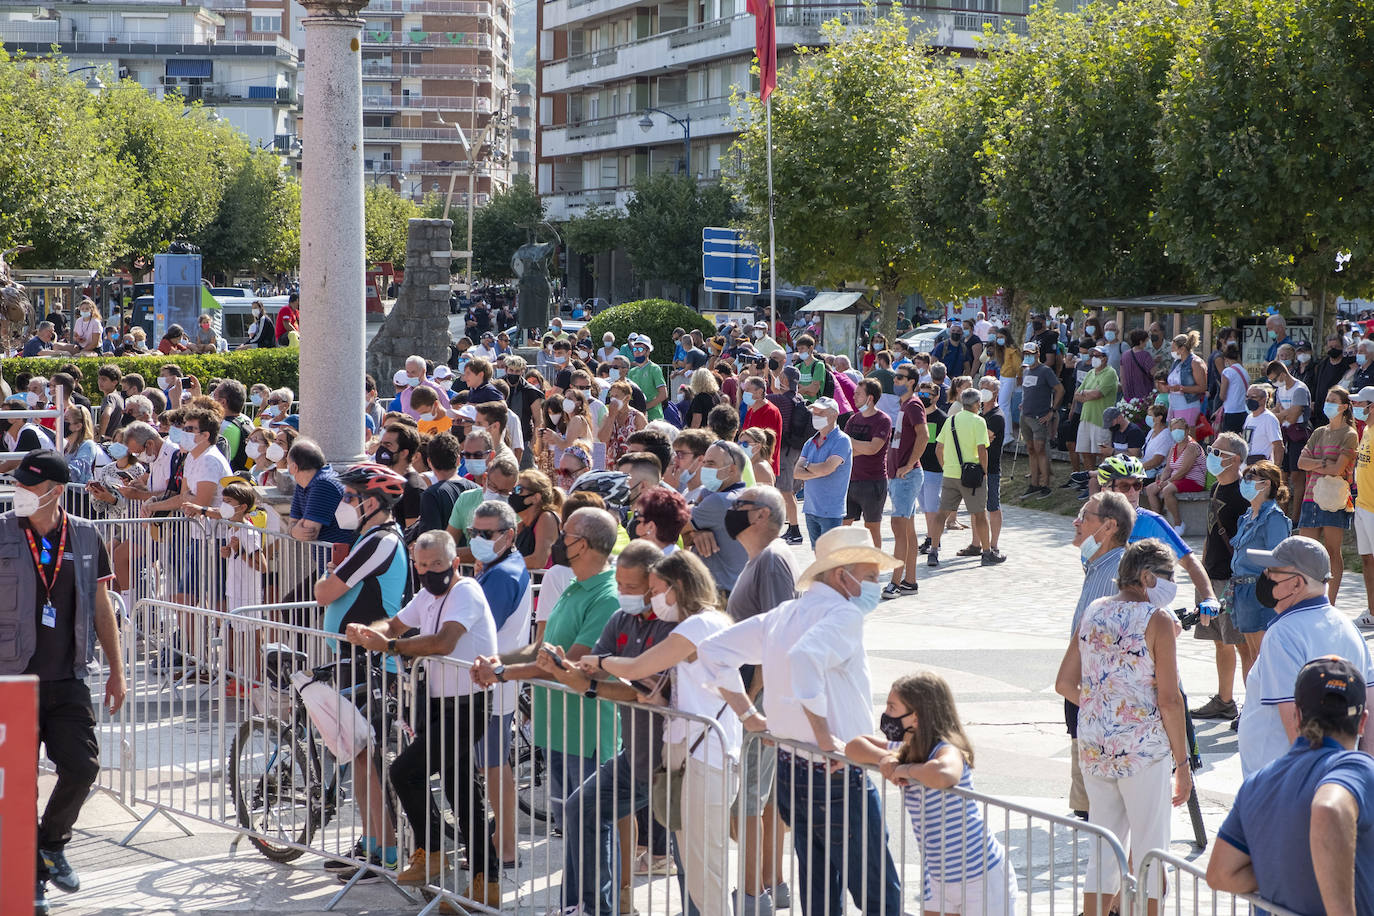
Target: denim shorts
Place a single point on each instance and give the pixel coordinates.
(930, 491)
(493, 748)
(1312, 515)
(994, 492)
(1247, 613)
(903, 491)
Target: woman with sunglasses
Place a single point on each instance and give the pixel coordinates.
(536, 500)
(1329, 460)
(575, 461)
(1261, 528)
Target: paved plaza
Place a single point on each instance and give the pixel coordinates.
(996, 634)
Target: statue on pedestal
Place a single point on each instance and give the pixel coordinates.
(531, 265)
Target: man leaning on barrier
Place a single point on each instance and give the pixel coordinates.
(454, 623)
(53, 613)
(1300, 832)
(812, 653)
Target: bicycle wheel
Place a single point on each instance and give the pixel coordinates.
(276, 785)
(527, 763)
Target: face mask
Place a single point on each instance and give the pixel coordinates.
(117, 450)
(1214, 465)
(641, 357)
(665, 610)
(426, 418)
(608, 342)
(26, 502)
(437, 583)
(554, 412)
(1090, 330)
(820, 422)
(1252, 404)
(411, 382)
(1361, 359)
(710, 478)
(1097, 362)
(1162, 593)
(736, 521)
(226, 510)
(1264, 591)
(615, 374)
(519, 501)
(748, 398)
(1304, 358)
(558, 552)
(806, 355)
(1028, 361)
(869, 597)
(1088, 549)
(1249, 489)
(347, 517)
(255, 400)
(1331, 409)
(1178, 434)
(892, 727)
(1287, 363)
(631, 604)
(569, 405)
(275, 452)
(31, 399)
(1334, 352)
(1359, 412)
(1110, 335)
(1273, 335)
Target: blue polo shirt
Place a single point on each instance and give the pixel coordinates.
(825, 495)
(504, 583)
(1271, 822)
(318, 502)
(1153, 525)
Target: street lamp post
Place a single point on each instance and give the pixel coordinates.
(472, 154)
(646, 124)
(93, 82)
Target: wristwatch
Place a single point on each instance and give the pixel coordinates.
(500, 672)
(592, 688)
(391, 646)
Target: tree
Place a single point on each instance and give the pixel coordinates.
(663, 223)
(1266, 149)
(597, 231)
(508, 220)
(284, 254)
(248, 226)
(840, 120)
(386, 223)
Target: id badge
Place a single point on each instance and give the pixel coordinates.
(49, 616)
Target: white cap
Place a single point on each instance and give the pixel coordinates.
(467, 412)
(824, 403)
(441, 372)
(400, 377)
(1364, 394)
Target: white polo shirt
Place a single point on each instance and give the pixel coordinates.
(465, 605)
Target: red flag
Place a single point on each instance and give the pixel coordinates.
(765, 46)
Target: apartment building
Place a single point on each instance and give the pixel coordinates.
(604, 65)
(232, 58)
(523, 129)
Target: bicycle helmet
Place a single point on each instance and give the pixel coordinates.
(1119, 467)
(612, 486)
(375, 480)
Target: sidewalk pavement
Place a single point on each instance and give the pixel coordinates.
(997, 634)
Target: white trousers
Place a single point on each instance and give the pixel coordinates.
(704, 840)
(1137, 811)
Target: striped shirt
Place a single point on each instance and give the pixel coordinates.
(956, 846)
(1099, 581)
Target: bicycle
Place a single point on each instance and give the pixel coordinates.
(527, 761)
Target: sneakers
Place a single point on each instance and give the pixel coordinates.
(891, 590)
(1079, 476)
(782, 896)
(1039, 492)
(1083, 495)
(60, 871)
(40, 898)
(908, 588)
(423, 868)
(367, 874)
(646, 863)
(971, 550)
(1365, 621)
(1071, 483)
(933, 557)
(792, 535)
(1216, 708)
(992, 558)
(1178, 529)
(924, 548)
(746, 905)
(355, 855)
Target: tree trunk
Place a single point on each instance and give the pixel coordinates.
(891, 302)
(1018, 312)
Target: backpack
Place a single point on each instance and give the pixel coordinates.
(671, 413)
(799, 428)
(239, 459)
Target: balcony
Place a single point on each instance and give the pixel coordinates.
(671, 50)
(400, 134)
(426, 103)
(421, 167)
(565, 205)
(38, 38)
(710, 117)
(216, 94)
(387, 70)
(434, 7)
(419, 38)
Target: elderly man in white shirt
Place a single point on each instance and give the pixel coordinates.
(415, 378)
(812, 650)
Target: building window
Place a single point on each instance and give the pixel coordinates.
(267, 23)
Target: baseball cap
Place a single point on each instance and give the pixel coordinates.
(400, 377)
(1111, 415)
(824, 403)
(1303, 345)
(1364, 394)
(40, 465)
(442, 372)
(1030, 347)
(467, 412)
(1329, 688)
(1297, 552)
(761, 324)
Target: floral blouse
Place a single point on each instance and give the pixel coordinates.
(1120, 731)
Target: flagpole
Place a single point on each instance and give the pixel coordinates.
(772, 259)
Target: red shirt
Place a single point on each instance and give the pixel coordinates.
(765, 415)
(283, 314)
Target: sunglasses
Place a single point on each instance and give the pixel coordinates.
(1120, 485)
(1255, 478)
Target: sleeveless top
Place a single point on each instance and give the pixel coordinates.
(620, 432)
(1120, 730)
(1197, 473)
(955, 843)
(524, 538)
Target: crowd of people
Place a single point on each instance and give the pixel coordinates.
(635, 511)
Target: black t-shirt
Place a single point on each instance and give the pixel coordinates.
(637, 399)
(997, 434)
(1130, 437)
(1223, 518)
(935, 421)
(701, 406)
(410, 499)
(436, 504)
(54, 656)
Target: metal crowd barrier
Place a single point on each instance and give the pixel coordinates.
(1189, 893)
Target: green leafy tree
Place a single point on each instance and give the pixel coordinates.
(284, 254)
(1266, 149)
(653, 317)
(663, 223)
(596, 231)
(246, 230)
(840, 120)
(386, 223)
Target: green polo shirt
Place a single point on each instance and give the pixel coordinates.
(562, 722)
(649, 378)
(464, 507)
(811, 371)
(1103, 380)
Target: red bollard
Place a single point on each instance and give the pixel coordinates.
(18, 792)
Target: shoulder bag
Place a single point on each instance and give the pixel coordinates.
(665, 790)
(971, 473)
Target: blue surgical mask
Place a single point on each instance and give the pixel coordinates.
(483, 549)
(869, 597)
(1178, 435)
(475, 465)
(1088, 549)
(1331, 409)
(1360, 413)
(1214, 464)
(631, 604)
(117, 450)
(1361, 359)
(1110, 335)
(748, 398)
(900, 389)
(710, 478)
(1249, 490)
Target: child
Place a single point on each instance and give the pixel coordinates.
(923, 748)
(432, 419)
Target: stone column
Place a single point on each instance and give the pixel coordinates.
(333, 263)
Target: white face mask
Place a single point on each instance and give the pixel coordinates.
(1162, 593)
(664, 610)
(226, 510)
(275, 452)
(1097, 362)
(253, 450)
(608, 342)
(569, 405)
(26, 502)
(819, 421)
(426, 417)
(615, 374)
(347, 517)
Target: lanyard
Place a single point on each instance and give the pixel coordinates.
(38, 561)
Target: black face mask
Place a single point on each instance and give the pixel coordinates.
(1334, 352)
(774, 365)
(1252, 404)
(632, 529)
(1264, 591)
(383, 455)
(736, 520)
(558, 553)
(437, 583)
(519, 501)
(892, 727)
(926, 398)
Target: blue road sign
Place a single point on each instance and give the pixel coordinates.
(729, 264)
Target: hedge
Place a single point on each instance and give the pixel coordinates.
(277, 367)
(655, 317)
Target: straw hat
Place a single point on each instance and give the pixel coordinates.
(843, 546)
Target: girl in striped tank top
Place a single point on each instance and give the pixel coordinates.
(924, 750)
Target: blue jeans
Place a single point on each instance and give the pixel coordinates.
(817, 525)
(837, 831)
(566, 773)
(590, 864)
